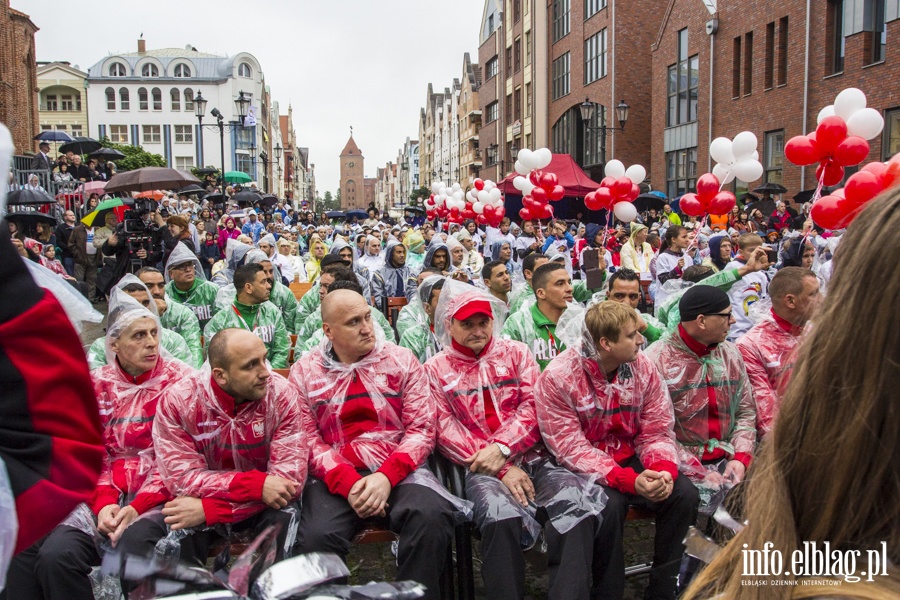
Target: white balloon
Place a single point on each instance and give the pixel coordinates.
(748, 170)
(456, 187)
(470, 196)
(625, 212)
(494, 194)
(744, 145)
(614, 168)
(828, 111)
(519, 182)
(521, 169)
(543, 156)
(489, 185)
(526, 157)
(478, 207)
(526, 189)
(458, 195)
(461, 204)
(484, 197)
(755, 155)
(848, 102)
(436, 186)
(723, 174)
(636, 173)
(498, 202)
(720, 150)
(866, 123)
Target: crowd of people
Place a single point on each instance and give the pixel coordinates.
(572, 369)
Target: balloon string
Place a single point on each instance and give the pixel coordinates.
(609, 215)
(697, 233)
(818, 193)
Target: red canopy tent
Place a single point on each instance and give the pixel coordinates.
(570, 176)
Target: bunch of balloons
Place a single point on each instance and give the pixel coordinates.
(840, 139)
(538, 188)
(618, 190)
(838, 209)
(737, 158)
(708, 199)
(484, 203)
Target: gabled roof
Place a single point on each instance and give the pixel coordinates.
(46, 68)
(351, 148)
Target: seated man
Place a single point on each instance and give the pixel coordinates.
(186, 284)
(231, 449)
(177, 317)
(310, 301)
(715, 416)
(252, 311)
(486, 421)
(128, 390)
(580, 291)
(496, 278)
(280, 295)
(625, 288)
(413, 314)
(769, 348)
(373, 429)
(604, 411)
(752, 288)
(169, 341)
(345, 252)
(269, 246)
(536, 327)
(438, 257)
(394, 279)
(420, 339)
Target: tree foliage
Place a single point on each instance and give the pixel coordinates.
(419, 196)
(135, 156)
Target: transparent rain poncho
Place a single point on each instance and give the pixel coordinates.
(667, 312)
(689, 379)
(77, 307)
(522, 327)
(9, 523)
(413, 325)
(362, 273)
(391, 280)
(235, 252)
(398, 389)
(180, 255)
(208, 450)
(588, 422)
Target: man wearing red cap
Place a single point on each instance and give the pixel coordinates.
(486, 421)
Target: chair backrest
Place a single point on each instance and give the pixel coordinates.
(299, 289)
(283, 372)
(394, 304)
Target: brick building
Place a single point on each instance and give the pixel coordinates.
(18, 77)
(599, 54)
(761, 81)
(352, 177)
(469, 118)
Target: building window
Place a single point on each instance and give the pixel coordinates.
(61, 127)
(782, 51)
(492, 112)
(51, 102)
(150, 70)
(681, 171)
(774, 156)
(835, 34)
(770, 55)
(143, 103)
(595, 57)
(491, 68)
(182, 70)
(528, 99)
(184, 134)
(124, 103)
(176, 99)
(561, 76)
(245, 165)
(592, 7)
(66, 102)
(891, 144)
(157, 99)
(118, 134)
(151, 134)
(509, 63)
(527, 48)
(110, 99)
(735, 69)
(77, 131)
(509, 107)
(879, 33)
(594, 139)
(188, 100)
(682, 87)
(117, 70)
(184, 163)
(517, 103)
(244, 70)
(560, 19)
(517, 10)
(517, 54)
(748, 63)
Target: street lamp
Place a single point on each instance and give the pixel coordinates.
(587, 109)
(278, 151)
(241, 102)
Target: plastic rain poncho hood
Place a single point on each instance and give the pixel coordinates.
(392, 280)
(362, 274)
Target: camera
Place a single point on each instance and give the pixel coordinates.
(137, 234)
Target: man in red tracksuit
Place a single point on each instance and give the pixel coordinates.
(230, 448)
(373, 428)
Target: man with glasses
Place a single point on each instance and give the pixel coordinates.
(715, 416)
(187, 285)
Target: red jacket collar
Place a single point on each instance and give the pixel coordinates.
(469, 352)
(143, 377)
(787, 326)
(693, 345)
(226, 401)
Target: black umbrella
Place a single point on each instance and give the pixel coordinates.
(748, 198)
(25, 197)
(215, 198)
(771, 188)
(357, 213)
(335, 214)
(107, 154)
(268, 201)
(191, 189)
(203, 172)
(246, 197)
(81, 145)
(53, 135)
(645, 202)
(415, 209)
(766, 207)
(27, 220)
(147, 179)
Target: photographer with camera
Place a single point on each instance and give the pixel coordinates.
(135, 243)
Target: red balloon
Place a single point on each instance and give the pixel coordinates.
(527, 202)
(548, 212)
(558, 193)
(690, 205)
(833, 212)
(876, 168)
(607, 182)
(605, 196)
(722, 203)
(488, 211)
(830, 133)
(862, 187)
(539, 195)
(592, 202)
(803, 150)
(834, 174)
(525, 214)
(500, 212)
(479, 184)
(454, 212)
(535, 177)
(468, 214)
(708, 186)
(430, 214)
(851, 151)
(481, 220)
(549, 181)
(621, 187)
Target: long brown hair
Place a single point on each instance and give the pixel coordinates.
(829, 471)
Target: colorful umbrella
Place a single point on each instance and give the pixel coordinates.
(237, 177)
(148, 179)
(99, 213)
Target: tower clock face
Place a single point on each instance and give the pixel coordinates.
(351, 164)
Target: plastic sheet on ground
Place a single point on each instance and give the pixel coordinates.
(299, 574)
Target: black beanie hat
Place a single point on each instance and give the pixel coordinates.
(702, 300)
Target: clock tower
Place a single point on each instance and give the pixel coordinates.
(352, 176)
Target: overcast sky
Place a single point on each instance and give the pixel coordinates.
(365, 63)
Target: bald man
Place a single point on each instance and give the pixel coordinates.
(231, 448)
(372, 430)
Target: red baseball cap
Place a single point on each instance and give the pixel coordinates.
(472, 308)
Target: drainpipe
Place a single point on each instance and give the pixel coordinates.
(709, 131)
(612, 75)
(805, 89)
